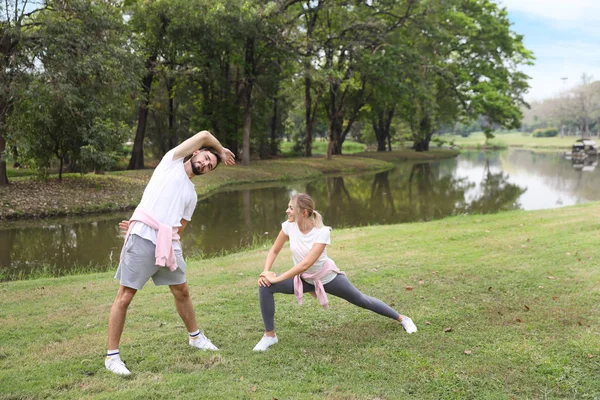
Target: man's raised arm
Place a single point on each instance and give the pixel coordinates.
(203, 139)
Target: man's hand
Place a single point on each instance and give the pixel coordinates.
(227, 157)
(124, 226)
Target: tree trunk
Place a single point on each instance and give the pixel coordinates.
(421, 143)
(247, 126)
(249, 73)
(3, 174)
(60, 169)
(137, 154)
(273, 144)
(307, 106)
(171, 142)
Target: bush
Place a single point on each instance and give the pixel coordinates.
(545, 132)
(438, 141)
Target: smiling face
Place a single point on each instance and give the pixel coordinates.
(290, 212)
(203, 162)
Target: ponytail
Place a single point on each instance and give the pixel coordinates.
(317, 219)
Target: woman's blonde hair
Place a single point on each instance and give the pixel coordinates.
(301, 202)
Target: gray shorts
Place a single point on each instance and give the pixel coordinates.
(138, 265)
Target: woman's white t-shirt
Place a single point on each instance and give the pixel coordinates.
(301, 244)
(170, 196)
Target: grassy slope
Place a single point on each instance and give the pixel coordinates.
(519, 290)
(503, 140)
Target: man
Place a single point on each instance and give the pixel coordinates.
(152, 248)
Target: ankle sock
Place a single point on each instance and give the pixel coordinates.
(113, 353)
(195, 334)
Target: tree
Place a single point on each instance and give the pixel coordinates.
(72, 109)
(470, 67)
(149, 21)
(17, 38)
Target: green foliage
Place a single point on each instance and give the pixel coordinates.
(73, 107)
(545, 132)
(255, 72)
(439, 141)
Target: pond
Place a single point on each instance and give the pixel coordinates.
(472, 183)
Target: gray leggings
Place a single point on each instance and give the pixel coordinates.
(340, 286)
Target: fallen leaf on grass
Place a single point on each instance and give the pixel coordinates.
(590, 356)
(254, 388)
(551, 277)
(554, 298)
(467, 352)
(421, 282)
(526, 307)
(408, 288)
(579, 323)
(490, 289)
(427, 323)
(448, 330)
(518, 319)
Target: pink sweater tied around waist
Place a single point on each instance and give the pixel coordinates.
(164, 253)
(316, 276)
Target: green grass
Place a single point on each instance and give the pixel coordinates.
(518, 139)
(519, 291)
(18, 172)
(319, 147)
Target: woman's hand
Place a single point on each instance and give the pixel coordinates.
(267, 278)
(124, 226)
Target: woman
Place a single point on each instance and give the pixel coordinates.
(312, 272)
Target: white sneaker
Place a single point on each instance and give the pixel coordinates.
(202, 342)
(115, 365)
(265, 343)
(408, 325)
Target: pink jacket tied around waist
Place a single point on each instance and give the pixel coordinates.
(164, 253)
(316, 276)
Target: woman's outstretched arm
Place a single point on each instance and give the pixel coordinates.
(273, 252)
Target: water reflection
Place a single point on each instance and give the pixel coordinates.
(586, 164)
(473, 183)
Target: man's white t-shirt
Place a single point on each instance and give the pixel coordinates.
(301, 244)
(170, 196)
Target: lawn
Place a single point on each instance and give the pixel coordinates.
(506, 306)
(319, 147)
(517, 139)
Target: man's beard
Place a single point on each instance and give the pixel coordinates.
(196, 170)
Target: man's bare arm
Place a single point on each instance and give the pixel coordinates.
(199, 140)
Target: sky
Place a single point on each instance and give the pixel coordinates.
(564, 36)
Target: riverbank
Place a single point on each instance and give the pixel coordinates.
(506, 306)
(78, 194)
(517, 140)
